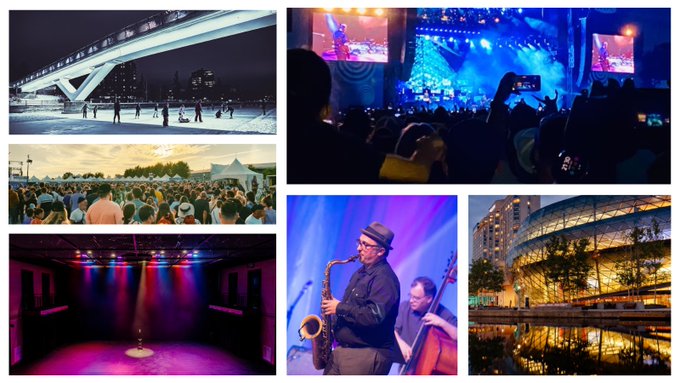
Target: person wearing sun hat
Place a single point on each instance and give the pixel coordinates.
(366, 315)
(185, 214)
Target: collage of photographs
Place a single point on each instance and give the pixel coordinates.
(462, 191)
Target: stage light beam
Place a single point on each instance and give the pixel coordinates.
(485, 44)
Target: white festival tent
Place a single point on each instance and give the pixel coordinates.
(236, 171)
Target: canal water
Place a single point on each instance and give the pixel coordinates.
(566, 350)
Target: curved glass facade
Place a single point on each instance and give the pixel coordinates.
(605, 221)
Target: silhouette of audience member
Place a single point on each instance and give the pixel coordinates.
(550, 104)
(318, 153)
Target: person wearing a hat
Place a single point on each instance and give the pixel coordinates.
(78, 215)
(366, 315)
(185, 214)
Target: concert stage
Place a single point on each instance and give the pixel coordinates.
(110, 358)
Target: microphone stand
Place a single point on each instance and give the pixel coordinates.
(295, 302)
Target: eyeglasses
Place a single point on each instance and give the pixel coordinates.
(365, 245)
(416, 299)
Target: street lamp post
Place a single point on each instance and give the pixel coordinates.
(29, 161)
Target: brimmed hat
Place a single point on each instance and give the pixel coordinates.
(185, 208)
(379, 233)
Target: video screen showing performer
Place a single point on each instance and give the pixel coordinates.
(613, 53)
(347, 286)
(339, 37)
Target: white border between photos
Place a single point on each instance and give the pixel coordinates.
(283, 190)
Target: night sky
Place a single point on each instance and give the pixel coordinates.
(246, 61)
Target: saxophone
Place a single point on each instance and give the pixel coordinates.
(319, 329)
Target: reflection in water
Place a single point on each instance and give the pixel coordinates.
(546, 350)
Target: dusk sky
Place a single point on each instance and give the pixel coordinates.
(114, 159)
(38, 38)
(479, 207)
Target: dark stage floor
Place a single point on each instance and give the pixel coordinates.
(109, 358)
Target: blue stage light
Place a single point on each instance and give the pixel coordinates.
(485, 44)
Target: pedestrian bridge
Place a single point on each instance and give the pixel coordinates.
(159, 33)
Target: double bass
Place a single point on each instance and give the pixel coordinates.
(434, 352)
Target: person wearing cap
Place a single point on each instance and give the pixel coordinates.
(78, 215)
(366, 315)
(414, 313)
(104, 211)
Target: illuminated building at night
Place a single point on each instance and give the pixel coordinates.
(606, 222)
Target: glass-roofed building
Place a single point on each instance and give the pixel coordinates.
(606, 222)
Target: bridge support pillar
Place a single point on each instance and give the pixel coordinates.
(93, 79)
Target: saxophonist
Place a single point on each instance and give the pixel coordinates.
(366, 316)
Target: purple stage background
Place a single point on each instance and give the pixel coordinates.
(322, 228)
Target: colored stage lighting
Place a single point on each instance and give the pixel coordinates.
(379, 12)
(485, 44)
(629, 30)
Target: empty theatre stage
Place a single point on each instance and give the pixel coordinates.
(126, 304)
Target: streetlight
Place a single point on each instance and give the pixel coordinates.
(29, 161)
